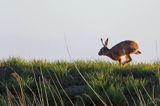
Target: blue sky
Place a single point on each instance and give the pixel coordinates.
(34, 29)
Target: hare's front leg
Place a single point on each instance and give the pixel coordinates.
(120, 61)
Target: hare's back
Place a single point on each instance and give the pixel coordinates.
(127, 45)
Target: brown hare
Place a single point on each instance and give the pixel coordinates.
(122, 49)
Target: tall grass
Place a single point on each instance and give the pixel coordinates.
(43, 83)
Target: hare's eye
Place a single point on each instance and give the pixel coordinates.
(102, 50)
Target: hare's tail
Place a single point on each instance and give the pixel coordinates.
(138, 52)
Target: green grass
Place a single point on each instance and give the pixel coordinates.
(57, 83)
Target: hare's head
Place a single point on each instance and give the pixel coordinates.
(104, 50)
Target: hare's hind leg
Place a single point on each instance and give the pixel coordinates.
(128, 59)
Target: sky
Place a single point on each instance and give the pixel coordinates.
(35, 29)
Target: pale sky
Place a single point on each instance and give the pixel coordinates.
(34, 29)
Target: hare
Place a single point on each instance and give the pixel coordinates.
(122, 49)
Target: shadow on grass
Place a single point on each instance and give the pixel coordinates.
(135, 74)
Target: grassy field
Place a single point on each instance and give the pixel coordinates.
(79, 83)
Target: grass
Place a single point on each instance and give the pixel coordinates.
(57, 83)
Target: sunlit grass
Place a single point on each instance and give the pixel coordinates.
(46, 83)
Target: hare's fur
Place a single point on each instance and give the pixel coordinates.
(122, 49)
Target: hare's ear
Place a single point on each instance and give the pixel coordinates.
(102, 42)
(106, 43)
